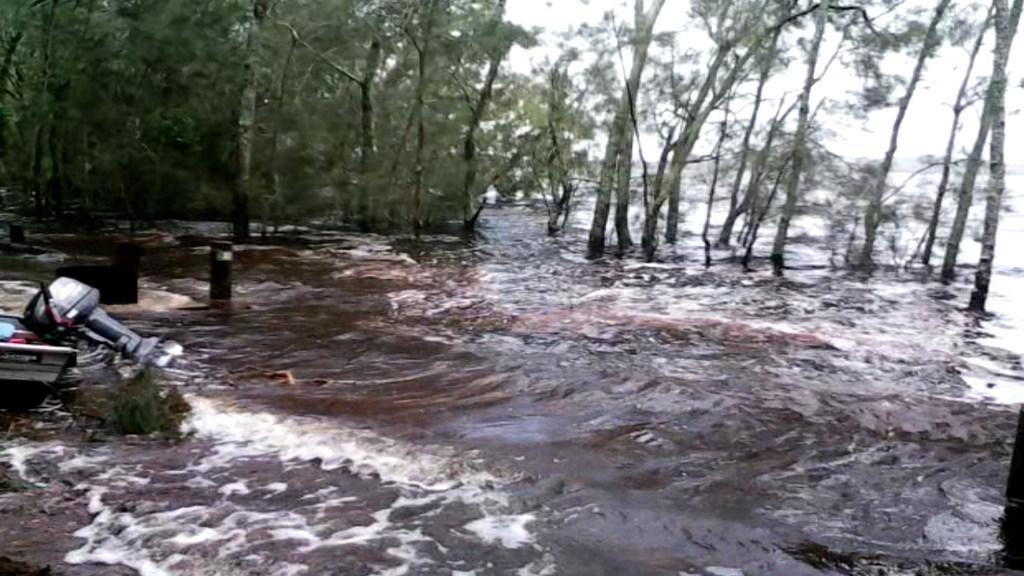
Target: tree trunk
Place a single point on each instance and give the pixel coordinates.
(470, 210)
(684, 147)
(873, 216)
(247, 127)
(423, 52)
(714, 186)
(625, 168)
(778, 256)
(680, 155)
(947, 160)
(271, 206)
(997, 164)
(5, 86)
(39, 189)
(619, 149)
(757, 216)
(965, 194)
(736, 207)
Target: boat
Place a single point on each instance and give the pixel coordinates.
(39, 350)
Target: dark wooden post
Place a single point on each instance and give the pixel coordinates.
(16, 233)
(1015, 481)
(1012, 526)
(221, 256)
(126, 261)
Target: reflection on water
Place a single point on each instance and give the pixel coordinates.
(505, 406)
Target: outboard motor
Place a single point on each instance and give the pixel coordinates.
(68, 305)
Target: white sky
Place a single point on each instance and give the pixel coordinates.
(924, 131)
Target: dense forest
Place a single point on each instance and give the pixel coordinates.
(398, 115)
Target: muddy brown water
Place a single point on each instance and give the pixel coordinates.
(504, 406)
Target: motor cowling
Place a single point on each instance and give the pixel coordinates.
(67, 306)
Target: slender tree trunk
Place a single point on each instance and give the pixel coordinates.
(5, 86)
(947, 160)
(622, 236)
(247, 127)
(965, 194)
(799, 140)
(873, 216)
(736, 207)
(470, 210)
(45, 116)
(367, 118)
(619, 151)
(997, 163)
(702, 109)
(421, 131)
(680, 155)
(758, 216)
(714, 186)
(271, 206)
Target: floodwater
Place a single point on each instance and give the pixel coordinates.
(505, 406)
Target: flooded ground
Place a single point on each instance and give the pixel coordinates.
(504, 406)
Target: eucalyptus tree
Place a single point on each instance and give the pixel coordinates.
(738, 31)
(873, 217)
(1005, 27)
(738, 206)
(618, 156)
(965, 192)
(959, 105)
(800, 137)
(247, 123)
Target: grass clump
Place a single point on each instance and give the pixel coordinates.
(140, 406)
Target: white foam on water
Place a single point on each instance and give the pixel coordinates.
(18, 456)
(508, 531)
(234, 488)
(238, 434)
(154, 540)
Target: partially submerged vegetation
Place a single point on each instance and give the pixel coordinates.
(141, 406)
(398, 115)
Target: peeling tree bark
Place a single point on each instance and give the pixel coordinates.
(873, 216)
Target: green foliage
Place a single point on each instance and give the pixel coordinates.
(132, 106)
(141, 406)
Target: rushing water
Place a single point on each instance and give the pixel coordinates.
(507, 407)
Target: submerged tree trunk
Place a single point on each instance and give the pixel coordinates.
(757, 216)
(799, 140)
(997, 164)
(736, 206)
(619, 151)
(681, 151)
(423, 52)
(873, 216)
(714, 186)
(246, 127)
(965, 194)
(947, 160)
(271, 206)
(470, 210)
